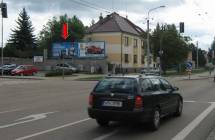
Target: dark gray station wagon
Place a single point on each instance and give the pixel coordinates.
(135, 99)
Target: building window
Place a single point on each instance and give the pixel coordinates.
(135, 42)
(135, 59)
(142, 43)
(126, 41)
(142, 59)
(126, 58)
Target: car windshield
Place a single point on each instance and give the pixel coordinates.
(116, 85)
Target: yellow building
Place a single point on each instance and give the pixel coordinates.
(124, 41)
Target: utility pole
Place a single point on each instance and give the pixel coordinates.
(2, 48)
(3, 7)
(148, 45)
(148, 48)
(161, 53)
(197, 55)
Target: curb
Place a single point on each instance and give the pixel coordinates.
(22, 77)
(195, 78)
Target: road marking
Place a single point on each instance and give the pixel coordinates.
(189, 101)
(185, 132)
(8, 111)
(106, 135)
(53, 129)
(27, 119)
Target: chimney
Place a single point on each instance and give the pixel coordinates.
(100, 17)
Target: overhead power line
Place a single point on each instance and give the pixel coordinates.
(87, 4)
(97, 6)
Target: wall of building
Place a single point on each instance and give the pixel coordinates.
(114, 42)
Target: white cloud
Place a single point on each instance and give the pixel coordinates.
(196, 14)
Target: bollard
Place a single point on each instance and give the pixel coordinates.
(214, 78)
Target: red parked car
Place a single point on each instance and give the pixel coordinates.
(24, 70)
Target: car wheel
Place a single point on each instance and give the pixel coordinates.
(179, 108)
(102, 122)
(155, 122)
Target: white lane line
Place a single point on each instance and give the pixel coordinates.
(189, 101)
(8, 111)
(185, 132)
(106, 135)
(53, 129)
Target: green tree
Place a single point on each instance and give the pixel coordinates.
(201, 54)
(22, 41)
(211, 52)
(51, 32)
(173, 45)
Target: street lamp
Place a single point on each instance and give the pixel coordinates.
(148, 47)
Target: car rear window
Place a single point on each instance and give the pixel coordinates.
(117, 85)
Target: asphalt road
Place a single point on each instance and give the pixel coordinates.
(56, 110)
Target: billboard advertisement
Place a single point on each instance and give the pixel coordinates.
(91, 49)
(95, 49)
(71, 49)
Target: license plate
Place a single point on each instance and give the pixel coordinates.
(112, 103)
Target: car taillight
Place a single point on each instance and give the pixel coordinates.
(91, 100)
(138, 102)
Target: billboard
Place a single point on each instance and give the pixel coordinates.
(71, 49)
(95, 49)
(91, 49)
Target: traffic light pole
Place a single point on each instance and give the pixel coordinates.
(197, 54)
(2, 48)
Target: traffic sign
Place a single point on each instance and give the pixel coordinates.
(189, 65)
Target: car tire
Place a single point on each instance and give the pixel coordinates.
(155, 122)
(102, 122)
(179, 108)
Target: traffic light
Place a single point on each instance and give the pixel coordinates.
(181, 25)
(4, 10)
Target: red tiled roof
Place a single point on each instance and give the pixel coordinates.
(115, 23)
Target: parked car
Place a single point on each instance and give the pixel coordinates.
(66, 66)
(24, 70)
(151, 71)
(135, 99)
(7, 68)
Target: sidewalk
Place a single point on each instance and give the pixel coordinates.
(76, 76)
(199, 76)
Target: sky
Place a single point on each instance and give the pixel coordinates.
(196, 14)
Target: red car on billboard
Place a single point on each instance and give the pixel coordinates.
(24, 70)
(93, 50)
